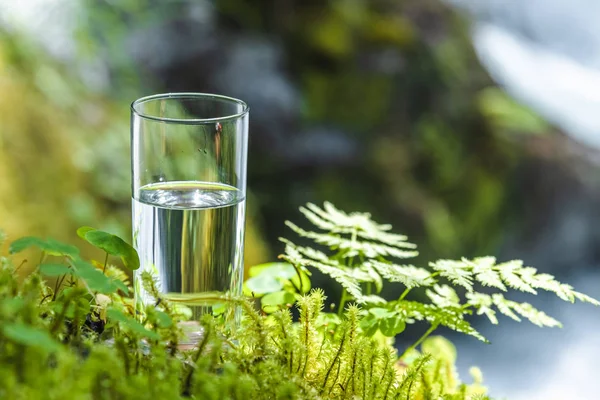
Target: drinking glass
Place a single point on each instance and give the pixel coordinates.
(188, 161)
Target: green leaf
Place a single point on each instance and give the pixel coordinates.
(30, 336)
(131, 324)
(381, 313)
(263, 284)
(271, 302)
(55, 269)
(113, 245)
(369, 324)
(120, 285)
(325, 319)
(304, 278)
(26, 242)
(219, 309)
(273, 277)
(164, 320)
(388, 322)
(95, 279)
(392, 326)
(82, 231)
(56, 248)
(50, 246)
(279, 270)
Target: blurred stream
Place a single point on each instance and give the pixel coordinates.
(547, 55)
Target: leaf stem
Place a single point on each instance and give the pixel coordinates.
(20, 265)
(420, 340)
(301, 291)
(351, 259)
(57, 286)
(343, 301)
(42, 256)
(403, 295)
(105, 262)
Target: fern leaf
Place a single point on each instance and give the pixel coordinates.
(391, 239)
(458, 272)
(512, 308)
(548, 283)
(371, 299)
(352, 247)
(452, 318)
(338, 218)
(409, 275)
(509, 274)
(536, 316)
(299, 256)
(483, 270)
(509, 271)
(483, 303)
(293, 251)
(586, 299)
(373, 275)
(443, 296)
(317, 220)
(504, 307)
(331, 219)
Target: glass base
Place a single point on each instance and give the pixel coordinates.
(193, 334)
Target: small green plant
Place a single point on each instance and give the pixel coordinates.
(80, 336)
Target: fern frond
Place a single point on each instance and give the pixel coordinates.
(371, 299)
(525, 310)
(450, 317)
(508, 274)
(512, 309)
(483, 269)
(352, 247)
(511, 275)
(457, 272)
(333, 220)
(443, 296)
(548, 283)
(373, 275)
(584, 298)
(304, 256)
(409, 275)
(315, 217)
(483, 303)
(500, 303)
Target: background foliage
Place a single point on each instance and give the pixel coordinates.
(367, 90)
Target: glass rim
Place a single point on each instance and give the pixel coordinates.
(189, 95)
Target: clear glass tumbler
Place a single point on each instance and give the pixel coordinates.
(188, 160)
